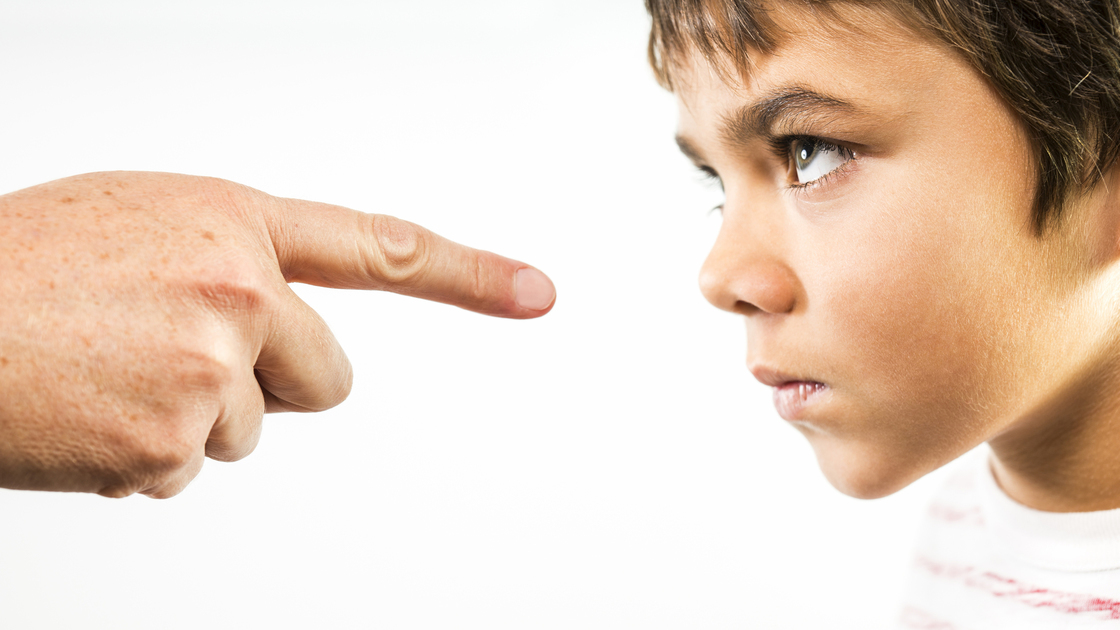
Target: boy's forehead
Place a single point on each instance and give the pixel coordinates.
(880, 66)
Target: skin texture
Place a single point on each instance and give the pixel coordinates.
(910, 280)
(147, 321)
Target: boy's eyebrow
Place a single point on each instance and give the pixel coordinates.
(759, 119)
(780, 106)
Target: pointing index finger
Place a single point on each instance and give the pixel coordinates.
(337, 247)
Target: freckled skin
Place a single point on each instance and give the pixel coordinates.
(147, 321)
(912, 283)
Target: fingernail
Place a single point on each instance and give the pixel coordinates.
(534, 290)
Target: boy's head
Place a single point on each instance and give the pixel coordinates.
(921, 218)
(1055, 62)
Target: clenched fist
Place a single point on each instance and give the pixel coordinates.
(146, 320)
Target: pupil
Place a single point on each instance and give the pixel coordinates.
(806, 151)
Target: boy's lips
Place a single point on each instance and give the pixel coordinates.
(792, 394)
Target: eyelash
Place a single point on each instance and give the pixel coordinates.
(711, 176)
(782, 147)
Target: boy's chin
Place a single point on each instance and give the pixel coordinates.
(863, 471)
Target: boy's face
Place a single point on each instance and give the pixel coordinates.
(877, 236)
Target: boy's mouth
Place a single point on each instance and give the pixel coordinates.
(791, 394)
(790, 398)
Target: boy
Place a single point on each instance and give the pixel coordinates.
(922, 231)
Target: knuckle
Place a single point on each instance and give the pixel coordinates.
(401, 252)
(227, 451)
(238, 285)
(229, 197)
(478, 285)
(153, 456)
(334, 391)
(235, 438)
(207, 372)
(116, 490)
(168, 452)
(175, 482)
(165, 491)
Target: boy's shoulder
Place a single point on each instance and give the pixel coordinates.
(982, 560)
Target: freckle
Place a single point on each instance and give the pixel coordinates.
(3, 361)
(208, 235)
(52, 284)
(165, 260)
(108, 192)
(105, 256)
(68, 200)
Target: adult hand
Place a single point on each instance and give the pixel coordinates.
(146, 320)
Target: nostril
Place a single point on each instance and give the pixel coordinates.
(746, 308)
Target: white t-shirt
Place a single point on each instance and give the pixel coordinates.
(985, 562)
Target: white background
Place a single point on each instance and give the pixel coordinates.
(611, 465)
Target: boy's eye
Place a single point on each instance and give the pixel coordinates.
(814, 158)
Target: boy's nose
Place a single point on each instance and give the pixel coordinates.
(742, 275)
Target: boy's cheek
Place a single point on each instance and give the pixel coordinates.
(909, 343)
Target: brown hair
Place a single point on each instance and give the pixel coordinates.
(1055, 62)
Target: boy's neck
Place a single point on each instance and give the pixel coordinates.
(1064, 456)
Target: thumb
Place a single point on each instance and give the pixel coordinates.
(337, 247)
